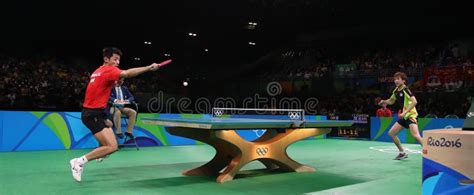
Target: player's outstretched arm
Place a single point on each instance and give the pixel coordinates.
(390, 101)
(133, 72)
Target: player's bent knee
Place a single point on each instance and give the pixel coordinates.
(391, 134)
(113, 148)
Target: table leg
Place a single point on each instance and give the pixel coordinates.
(233, 152)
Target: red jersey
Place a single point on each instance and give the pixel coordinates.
(99, 87)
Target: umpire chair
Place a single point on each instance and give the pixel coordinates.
(122, 142)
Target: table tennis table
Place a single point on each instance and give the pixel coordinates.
(233, 152)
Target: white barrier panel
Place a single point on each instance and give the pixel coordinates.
(448, 161)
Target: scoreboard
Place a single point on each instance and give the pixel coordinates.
(360, 129)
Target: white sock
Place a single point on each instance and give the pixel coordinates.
(82, 160)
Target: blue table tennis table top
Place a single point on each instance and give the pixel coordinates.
(243, 123)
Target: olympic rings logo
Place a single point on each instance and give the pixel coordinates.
(294, 115)
(261, 151)
(218, 113)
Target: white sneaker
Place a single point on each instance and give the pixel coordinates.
(76, 169)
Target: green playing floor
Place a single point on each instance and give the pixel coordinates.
(342, 167)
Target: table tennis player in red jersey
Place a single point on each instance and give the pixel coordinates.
(97, 94)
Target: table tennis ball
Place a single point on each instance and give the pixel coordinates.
(185, 83)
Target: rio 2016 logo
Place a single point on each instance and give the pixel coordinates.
(442, 142)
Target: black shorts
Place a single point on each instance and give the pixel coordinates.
(407, 122)
(94, 119)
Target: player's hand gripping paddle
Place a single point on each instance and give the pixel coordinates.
(378, 100)
(156, 66)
